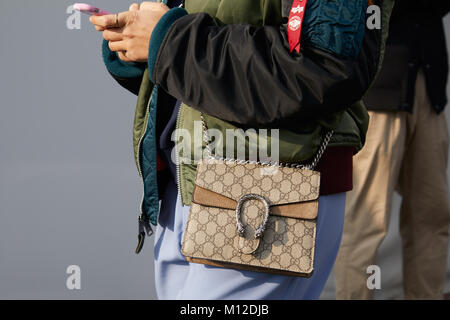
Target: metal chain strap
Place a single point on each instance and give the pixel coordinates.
(311, 166)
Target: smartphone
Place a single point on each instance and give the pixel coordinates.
(91, 10)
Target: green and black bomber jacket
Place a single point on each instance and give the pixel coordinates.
(230, 60)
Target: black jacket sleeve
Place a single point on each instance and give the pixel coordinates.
(247, 75)
(420, 10)
(444, 8)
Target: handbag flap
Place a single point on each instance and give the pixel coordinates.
(291, 192)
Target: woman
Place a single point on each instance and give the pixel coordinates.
(241, 64)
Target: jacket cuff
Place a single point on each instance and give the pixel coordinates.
(158, 35)
(119, 68)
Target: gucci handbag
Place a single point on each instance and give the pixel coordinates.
(243, 217)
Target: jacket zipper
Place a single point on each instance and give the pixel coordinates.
(177, 156)
(144, 227)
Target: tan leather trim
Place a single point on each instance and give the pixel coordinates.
(299, 210)
(211, 199)
(247, 267)
(303, 210)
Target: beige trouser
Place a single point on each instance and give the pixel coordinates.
(409, 153)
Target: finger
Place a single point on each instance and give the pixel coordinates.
(134, 7)
(95, 20)
(98, 28)
(123, 57)
(115, 34)
(109, 21)
(117, 46)
(148, 5)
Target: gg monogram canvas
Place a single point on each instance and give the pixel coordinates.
(287, 244)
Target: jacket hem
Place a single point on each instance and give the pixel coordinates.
(119, 68)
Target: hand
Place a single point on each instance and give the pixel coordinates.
(129, 35)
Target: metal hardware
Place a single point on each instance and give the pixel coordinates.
(240, 227)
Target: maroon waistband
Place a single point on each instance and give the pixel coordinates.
(336, 170)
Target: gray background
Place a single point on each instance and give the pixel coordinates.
(69, 190)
